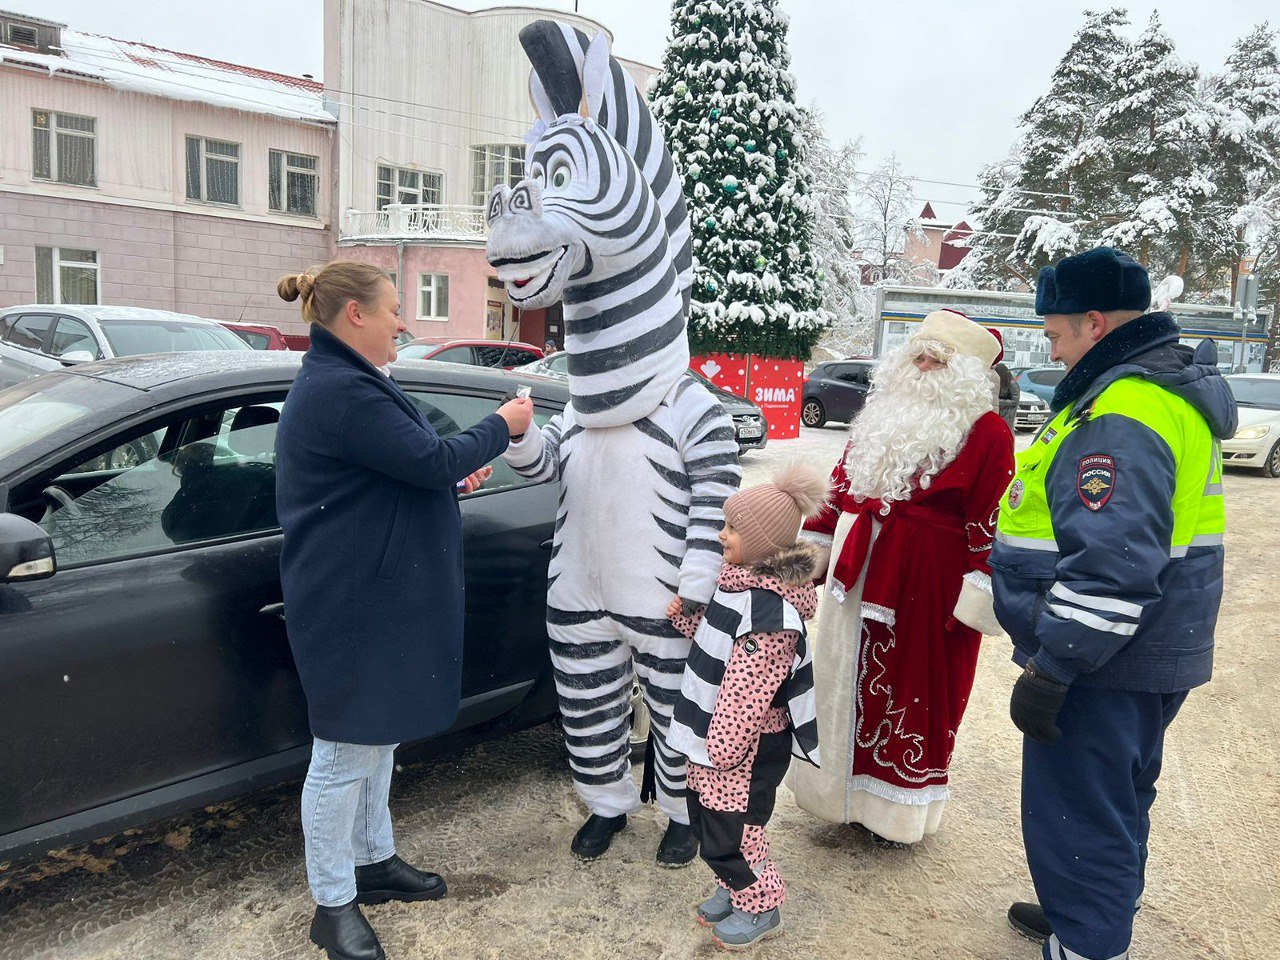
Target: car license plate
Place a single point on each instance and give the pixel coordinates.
(749, 432)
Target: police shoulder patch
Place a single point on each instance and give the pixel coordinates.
(1096, 480)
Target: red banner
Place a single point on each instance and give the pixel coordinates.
(772, 385)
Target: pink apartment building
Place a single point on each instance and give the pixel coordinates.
(134, 175)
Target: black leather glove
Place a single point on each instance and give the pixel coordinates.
(1035, 704)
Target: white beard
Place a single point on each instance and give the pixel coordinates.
(914, 423)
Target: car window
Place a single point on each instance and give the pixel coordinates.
(852, 373)
(73, 336)
(259, 341)
(559, 362)
(455, 355)
(503, 356)
(132, 338)
(30, 330)
(1046, 378)
(195, 479)
(414, 351)
(451, 413)
(1255, 391)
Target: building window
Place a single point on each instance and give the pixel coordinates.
(63, 148)
(64, 275)
(213, 171)
(494, 164)
(292, 182)
(433, 298)
(398, 185)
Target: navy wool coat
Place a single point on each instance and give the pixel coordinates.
(371, 564)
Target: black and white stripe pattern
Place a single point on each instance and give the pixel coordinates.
(645, 454)
(729, 617)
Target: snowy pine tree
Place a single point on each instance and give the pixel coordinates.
(1157, 130)
(1249, 131)
(726, 104)
(1034, 214)
(834, 171)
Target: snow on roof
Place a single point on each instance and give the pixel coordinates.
(141, 68)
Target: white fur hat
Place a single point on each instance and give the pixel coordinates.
(960, 334)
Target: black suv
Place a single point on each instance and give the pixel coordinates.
(835, 390)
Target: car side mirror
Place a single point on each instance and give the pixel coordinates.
(26, 552)
(77, 356)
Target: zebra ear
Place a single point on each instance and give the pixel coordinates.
(595, 73)
(538, 97)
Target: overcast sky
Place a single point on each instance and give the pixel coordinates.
(939, 82)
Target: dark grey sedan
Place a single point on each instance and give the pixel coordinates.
(835, 390)
(144, 666)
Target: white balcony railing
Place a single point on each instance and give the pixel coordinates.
(426, 220)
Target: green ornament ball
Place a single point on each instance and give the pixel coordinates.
(711, 286)
(730, 187)
(822, 274)
(749, 146)
(681, 88)
(715, 113)
(731, 141)
(761, 262)
(782, 152)
(695, 171)
(709, 223)
(742, 86)
(695, 20)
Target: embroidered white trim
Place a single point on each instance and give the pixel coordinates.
(1094, 621)
(837, 590)
(812, 536)
(873, 611)
(918, 796)
(979, 579)
(1108, 604)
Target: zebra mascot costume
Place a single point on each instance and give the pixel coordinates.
(645, 454)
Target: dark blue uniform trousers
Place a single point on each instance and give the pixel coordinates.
(1086, 802)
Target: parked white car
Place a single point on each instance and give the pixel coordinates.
(1257, 440)
(38, 337)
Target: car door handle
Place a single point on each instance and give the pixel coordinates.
(546, 544)
(273, 609)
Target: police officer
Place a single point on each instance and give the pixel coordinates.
(1107, 574)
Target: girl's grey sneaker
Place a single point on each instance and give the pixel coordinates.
(715, 908)
(741, 929)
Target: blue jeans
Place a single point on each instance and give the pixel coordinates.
(345, 818)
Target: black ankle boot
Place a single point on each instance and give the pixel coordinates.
(593, 837)
(393, 879)
(344, 934)
(1029, 920)
(679, 845)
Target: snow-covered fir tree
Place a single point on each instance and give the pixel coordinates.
(1157, 130)
(1059, 175)
(834, 172)
(1248, 91)
(727, 107)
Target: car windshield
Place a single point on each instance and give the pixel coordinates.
(136, 336)
(259, 341)
(415, 351)
(1256, 391)
(36, 408)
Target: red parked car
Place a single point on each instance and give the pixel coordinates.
(260, 336)
(478, 353)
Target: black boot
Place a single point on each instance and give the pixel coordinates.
(393, 879)
(344, 934)
(679, 845)
(593, 837)
(1029, 920)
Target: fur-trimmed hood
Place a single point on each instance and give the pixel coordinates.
(788, 573)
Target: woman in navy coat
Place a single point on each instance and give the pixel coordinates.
(367, 495)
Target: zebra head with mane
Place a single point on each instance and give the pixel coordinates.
(599, 222)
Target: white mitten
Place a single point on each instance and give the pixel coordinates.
(975, 606)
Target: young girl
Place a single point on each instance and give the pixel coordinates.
(746, 702)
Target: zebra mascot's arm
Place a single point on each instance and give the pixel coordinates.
(710, 452)
(536, 455)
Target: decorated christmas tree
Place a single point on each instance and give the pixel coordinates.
(727, 106)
